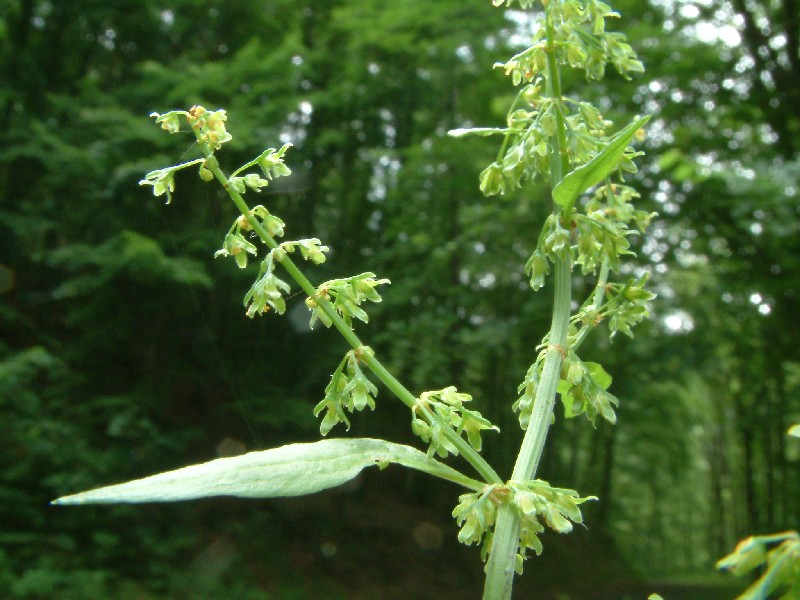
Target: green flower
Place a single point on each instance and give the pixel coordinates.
(492, 180)
(448, 406)
(237, 246)
(348, 391)
(346, 296)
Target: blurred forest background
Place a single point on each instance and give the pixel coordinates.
(125, 350)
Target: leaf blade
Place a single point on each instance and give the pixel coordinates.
(596, 170)
(292, 470)
(480, 131)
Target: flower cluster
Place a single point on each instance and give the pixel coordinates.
(476, 513)
(348, 391)
(208, 125)
(267, 290)
(162, 180)
(582, 386)
(579, 34)
(209, 128)
(537, 504)
(346, 296)
(626, 307)
(271, 164)
(598, 236)
(310, 249)
(527, 391)
(583, 389)
(235, 243)
(603, 230)
(448, 405)
(574, 33)
(629, 305)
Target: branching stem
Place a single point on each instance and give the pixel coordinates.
(468, 452)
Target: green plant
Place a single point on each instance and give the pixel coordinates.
(562, 140)
(775, 557)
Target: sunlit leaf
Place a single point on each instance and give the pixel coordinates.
(481, 131)
(293, 470)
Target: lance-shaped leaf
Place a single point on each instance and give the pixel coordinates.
(596, 170)
(293, 470)
(481, 131)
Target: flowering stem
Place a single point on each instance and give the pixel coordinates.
(505, 544)
(535, 435)
(468, 452)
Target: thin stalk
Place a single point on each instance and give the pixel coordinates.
(468, 452)
(597, 302)
(502, 558)
(504, 145)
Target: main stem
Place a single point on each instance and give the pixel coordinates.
(502, 558)
(381, 372)
(505, 543)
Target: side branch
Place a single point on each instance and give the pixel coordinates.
(380, 371)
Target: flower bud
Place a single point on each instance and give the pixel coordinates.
(205, 174)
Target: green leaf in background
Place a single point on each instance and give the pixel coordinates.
(596, 170)
(775, 560)
(481, 131)
(794, 431)
(293, 470)
(749, 554)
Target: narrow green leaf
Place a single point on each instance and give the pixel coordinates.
(293, 470)
(481, 131)
(596, 170)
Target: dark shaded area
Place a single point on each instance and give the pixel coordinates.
(124, 349)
